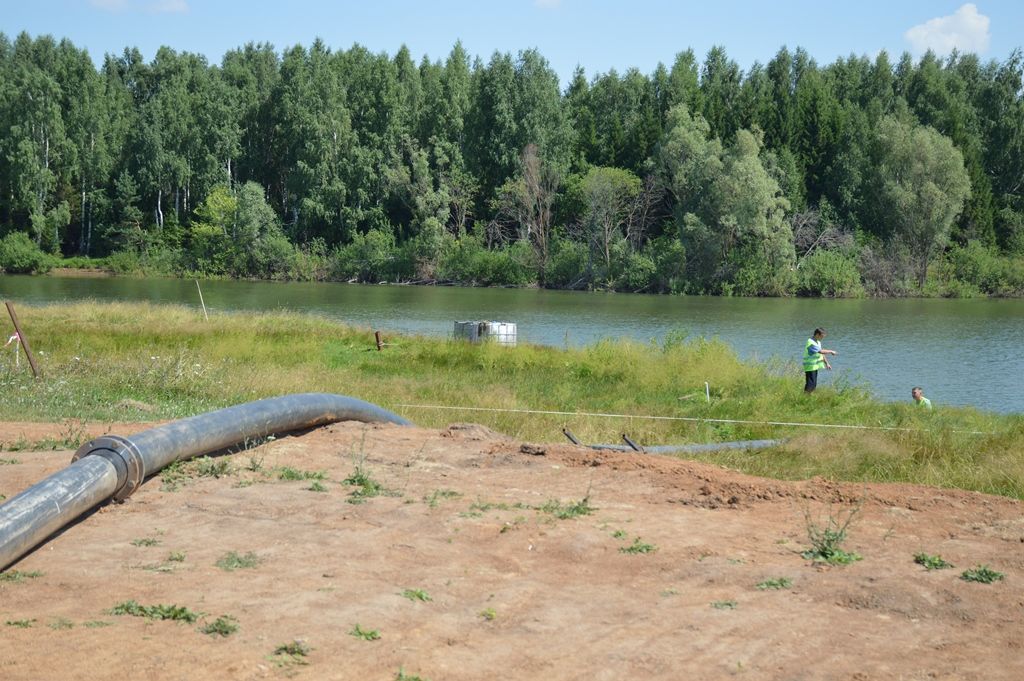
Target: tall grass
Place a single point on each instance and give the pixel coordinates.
(106, 362)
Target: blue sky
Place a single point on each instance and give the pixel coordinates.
(596, 34)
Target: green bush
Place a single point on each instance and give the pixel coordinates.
(569, 265)
(20, 255)
(469, 261)
(829, 274)
(980, 268)
(634, 271)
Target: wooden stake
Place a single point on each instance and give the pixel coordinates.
(201, 301)
(376, 335)
(22, 339)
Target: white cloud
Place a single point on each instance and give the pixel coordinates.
(547, 4)
(168, 6)
(965, 30)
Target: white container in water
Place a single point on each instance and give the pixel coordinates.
(503, 333)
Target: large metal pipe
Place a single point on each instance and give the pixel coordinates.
(114, 467)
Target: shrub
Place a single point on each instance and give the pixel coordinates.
(569, 266)
(829, 274)
(20, 255)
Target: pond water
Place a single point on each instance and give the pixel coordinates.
(962, 352)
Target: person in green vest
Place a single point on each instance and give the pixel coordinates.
(814, 359)
(919, 398)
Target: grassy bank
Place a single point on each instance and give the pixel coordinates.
(139, 362)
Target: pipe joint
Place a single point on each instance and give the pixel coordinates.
(124, 456)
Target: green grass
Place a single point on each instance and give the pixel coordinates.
(289, 473)
(317, 486)
(724, 605)
(292, 653)
(20, 624)
(365, 634)
(98, 356)
(145, 541)
(638, 547)
(365, 486)
(223, 626)
(417, 595)
(18, 576)
(489, 614)
(402, 676)
(232, 560)
(567, 511)
(982, 574)
(61, 623)
(827, 538)
(177, 613)
(931, 562)
(774, 584)
(438, 495)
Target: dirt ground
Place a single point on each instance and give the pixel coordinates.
(514, 591)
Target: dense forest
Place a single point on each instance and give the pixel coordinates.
(862, 177)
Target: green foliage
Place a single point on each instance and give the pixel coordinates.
(232, 560)
(365, 634)
(829, 274)
(18, 576)
(638, 546)
(293, 653)
(724, 605)
(417, 595)
(223, 626)
(982, 574)
(21, 624)
(931, 562)
(20, 255)
(155, 612)
(145, 541)
(827, 538)
(568, 511)
(775, 584)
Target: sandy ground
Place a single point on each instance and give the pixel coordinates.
(515, 593)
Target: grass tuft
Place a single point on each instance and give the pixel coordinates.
(417, 595)
(931, 562)
(777, 583)
(982, 574)
(232, 560)
(365, 634)
(638, 547)
(223, 626)
(178, 613)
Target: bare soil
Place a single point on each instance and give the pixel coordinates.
(515, 592)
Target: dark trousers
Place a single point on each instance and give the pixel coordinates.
(810, 381)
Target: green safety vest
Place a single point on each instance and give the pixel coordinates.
(815, 361)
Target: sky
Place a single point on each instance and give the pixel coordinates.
(598, 35)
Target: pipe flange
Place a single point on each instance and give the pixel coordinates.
(126, 458)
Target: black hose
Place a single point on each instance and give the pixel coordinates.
(114, 467)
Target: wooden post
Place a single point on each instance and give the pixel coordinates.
(22, 339)
(376, 335)
(201, 301)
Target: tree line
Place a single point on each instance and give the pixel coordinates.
(860, 177)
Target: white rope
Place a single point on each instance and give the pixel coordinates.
(692, 419)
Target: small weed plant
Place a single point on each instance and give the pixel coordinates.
(417, 595)
(177, 613)
(18, 576)
(724, 605)
(206, 467)
(223, 626)
(488, 614)
(827, 539)
(292, 653)
(982, 574)
(402, 676)
(638, 546)
(145, 541)
(176, 557)
(365, 486)
(365, 634)
(20, 624)
(232, 560)
(777, 583)
(316, 486)
(931, 562)
(568, 511)
(289, 473)
(9, 462)
(439, 495)
(61, 623)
